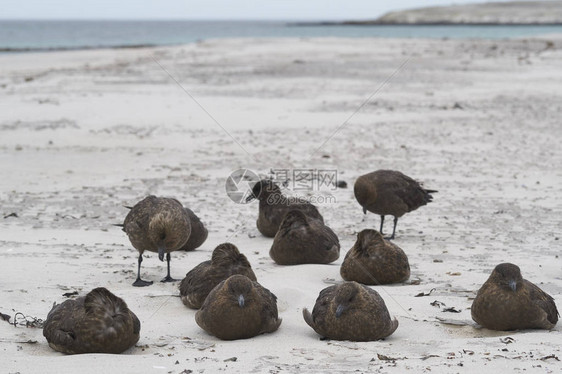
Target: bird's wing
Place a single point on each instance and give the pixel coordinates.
(322, 303)
(195, 280)
(60, 325)
(329, 238)
(410, 192)
(270, 315)
(544, 301)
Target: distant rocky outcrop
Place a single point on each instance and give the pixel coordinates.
(506, 13)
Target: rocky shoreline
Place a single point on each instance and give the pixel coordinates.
(516, 13)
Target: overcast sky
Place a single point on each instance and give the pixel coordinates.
(208, 9)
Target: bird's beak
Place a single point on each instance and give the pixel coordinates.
(241, 301)
(513, 285)
(250, 197)
(161, 252)
(339, 310)
(364, 210)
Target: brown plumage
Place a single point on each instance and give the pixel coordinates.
(304, 240)
(198, 234)
(238, 308)
(506, 301)
(373, 260)
(273, 206)
(350, 311)
(157, 224)
(99, 322)
(200, 280)
(389, 192)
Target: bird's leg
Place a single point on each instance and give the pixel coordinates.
(394, 229)
(382, 223)
(168, 277)
(139, 282)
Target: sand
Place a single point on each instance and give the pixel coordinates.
(83, 133)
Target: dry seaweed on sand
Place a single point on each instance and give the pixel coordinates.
(21, 319)
(425, 293)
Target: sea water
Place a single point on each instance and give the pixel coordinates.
(22, 36)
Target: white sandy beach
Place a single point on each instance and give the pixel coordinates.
(83, 133)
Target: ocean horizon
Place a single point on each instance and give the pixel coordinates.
(51, 35)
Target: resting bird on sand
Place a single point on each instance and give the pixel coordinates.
(238, 308)
(506, 301)
(274, 205)
(200, 280)
(198, 232)
(373, 260)
(350, 311)
(389, 192)
(99, 322)
(157, 224)
(304, 240)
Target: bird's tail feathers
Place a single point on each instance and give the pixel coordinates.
(308, 317)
